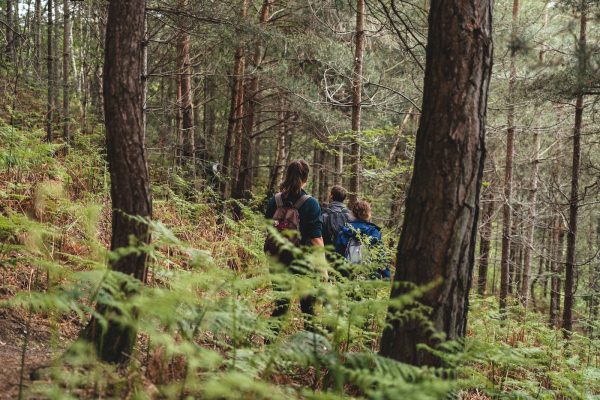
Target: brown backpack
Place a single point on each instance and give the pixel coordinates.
(287, 221)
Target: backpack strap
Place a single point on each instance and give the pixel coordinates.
(301, 201)
(279, 200)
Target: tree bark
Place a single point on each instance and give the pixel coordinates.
(186, 99)
(359, 47)
(437, 244)
(209, 120)
(505, 267)
(65, 66)
(528, 246)
(570, 266)
(235, 111)
(244, 177)
(130, 187)
(50, 67)
(10, 32)
(556, 268)
(278, 166)
(37, 37)
(484, 244)
(338, 175)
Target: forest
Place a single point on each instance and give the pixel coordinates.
(299, 199)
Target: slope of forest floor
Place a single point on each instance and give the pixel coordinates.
(204, 330)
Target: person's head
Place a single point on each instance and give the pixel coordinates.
(337, 193)
(296, 176)
(362, 210)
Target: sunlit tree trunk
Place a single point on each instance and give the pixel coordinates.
(443, 199)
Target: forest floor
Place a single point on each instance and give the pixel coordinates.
(39, 352)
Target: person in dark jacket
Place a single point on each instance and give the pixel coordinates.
(292, 190)
(361, 231)
(335, 216)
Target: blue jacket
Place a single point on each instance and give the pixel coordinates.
(349, 231)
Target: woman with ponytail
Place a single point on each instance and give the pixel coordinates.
(292, 192)
(306, 218)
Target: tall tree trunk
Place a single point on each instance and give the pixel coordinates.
(209, 119)
(65, 65)
(443, 199)
(279, 165)
(567, 324)
(529, 237)
(338, 174)
(484, 244)
(37, 38)
(505, 272)
(235, 111)
(515, 245)
(50, 64)
(359, 47)
(10, 32)
(244, 178)
(541, 271)
(324, 176)
(186, 100)
(316, 162)
(130, 187)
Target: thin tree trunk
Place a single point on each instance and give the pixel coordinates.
(278, 166)
(209, 119)
(235, 111)
(570, 266)
(186, 101)
(244, 178)
(130, 187)
(324, 178)
(338, 174)
(484, 244)
(443, 199)
(359, 47)
(50, 64)
(66, 64)
(505, 272)
(37, 38)
(556, 281)
(10, 32)
(541, 271)
(528, 246)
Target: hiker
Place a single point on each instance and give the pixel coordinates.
(335, 216)
(360, 237)
(292, 209)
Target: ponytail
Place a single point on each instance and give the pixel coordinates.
(295, 176)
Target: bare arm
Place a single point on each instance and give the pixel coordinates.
(317, 242)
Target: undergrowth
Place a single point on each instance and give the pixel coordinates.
(203, 318)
